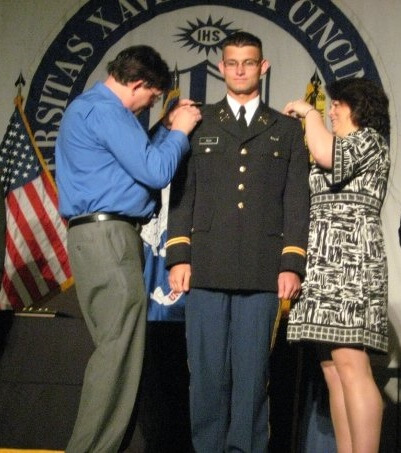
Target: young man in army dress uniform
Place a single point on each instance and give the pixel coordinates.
(237, 235)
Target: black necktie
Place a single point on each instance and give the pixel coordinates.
(241, 119)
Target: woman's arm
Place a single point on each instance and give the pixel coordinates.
(318, 138)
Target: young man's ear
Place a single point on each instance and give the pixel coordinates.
(264, 66)
(221, 67)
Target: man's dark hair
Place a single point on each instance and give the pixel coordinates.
(366, 99)
(241, 39)
(140, 63)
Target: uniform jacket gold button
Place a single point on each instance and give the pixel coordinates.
(244, 152)
(241, 205)
(242, 168)
(207, 150)
(241, 187)
(276, 154)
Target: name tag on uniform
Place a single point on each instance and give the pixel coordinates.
(208, 140)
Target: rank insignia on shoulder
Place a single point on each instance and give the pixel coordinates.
(208, 140)
(274, 139)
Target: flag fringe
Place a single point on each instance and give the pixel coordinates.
(66, 285)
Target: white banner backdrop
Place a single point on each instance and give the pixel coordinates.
(29, 28)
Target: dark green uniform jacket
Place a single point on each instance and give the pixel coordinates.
(239, 204)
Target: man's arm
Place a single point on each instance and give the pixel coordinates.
(178, 245)
(152, 163)
(296, 211)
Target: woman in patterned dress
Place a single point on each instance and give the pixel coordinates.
(343, 306)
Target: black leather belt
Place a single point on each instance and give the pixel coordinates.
(101, 217)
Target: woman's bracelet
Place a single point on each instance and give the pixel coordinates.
(312, 108)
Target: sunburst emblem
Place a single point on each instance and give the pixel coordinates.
(205, 35)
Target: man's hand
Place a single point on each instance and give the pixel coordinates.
(179, 278)
(184, 116)
(289, 285)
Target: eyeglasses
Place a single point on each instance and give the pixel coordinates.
(250, 63)
(156, 95)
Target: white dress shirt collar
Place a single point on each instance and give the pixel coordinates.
(250, 107)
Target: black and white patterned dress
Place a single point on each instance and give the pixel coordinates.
(344, 295)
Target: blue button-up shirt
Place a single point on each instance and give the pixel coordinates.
(105, 160)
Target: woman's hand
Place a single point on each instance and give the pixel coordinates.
(298, 108)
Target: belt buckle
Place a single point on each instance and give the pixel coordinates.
(101, 217)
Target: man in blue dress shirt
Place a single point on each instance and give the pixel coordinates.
(108, 173)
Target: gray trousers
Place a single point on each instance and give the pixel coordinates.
(106, 259)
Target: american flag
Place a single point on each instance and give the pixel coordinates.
(36, 261)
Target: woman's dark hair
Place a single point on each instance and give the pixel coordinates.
(241, 39)
(140, 63)
(367, 100)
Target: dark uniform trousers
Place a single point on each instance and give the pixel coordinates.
(229, 339)
(107, 260)
(239, 214)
